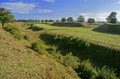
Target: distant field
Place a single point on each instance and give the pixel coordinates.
(104, 39)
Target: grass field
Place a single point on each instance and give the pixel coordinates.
(104, 39)
(18, 60)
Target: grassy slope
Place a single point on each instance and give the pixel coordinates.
(104, 39)
(19, 62)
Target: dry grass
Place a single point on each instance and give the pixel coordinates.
(19, 62)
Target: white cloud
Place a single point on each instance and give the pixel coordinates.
(118, 2)
(45, 11)
(19, 7)
(101, 16)
(97, 16)
(50, 1)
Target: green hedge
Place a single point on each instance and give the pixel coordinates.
(70, 24)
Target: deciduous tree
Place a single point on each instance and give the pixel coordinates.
(5, 16)
(70, 19)
(112, 18)
(63, 20)
(81, 19)
(91, 20)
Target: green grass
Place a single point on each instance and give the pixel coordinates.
(104, 39)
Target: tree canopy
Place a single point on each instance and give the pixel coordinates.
(70, 19)
(81, 19)
(112, 18)
(5, 16)
(63, 20)
(91, 20)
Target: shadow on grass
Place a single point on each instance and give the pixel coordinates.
(108, 28)
(35, 28)
(99, 55)
(72, 24)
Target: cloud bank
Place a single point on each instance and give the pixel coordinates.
(19, 7)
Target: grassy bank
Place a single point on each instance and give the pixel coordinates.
(103, 39)
(101, 48)
(20, 60)
(85, 50)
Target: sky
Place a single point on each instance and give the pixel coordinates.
(57, 9)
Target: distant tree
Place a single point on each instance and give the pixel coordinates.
(81, 19)
(63, 20)
(46, 20)
(5, 16)
(91, 20)
(38, 20)
(42, 21)
(112, 18)
(57, 20)
(70, 19)
(51, 20)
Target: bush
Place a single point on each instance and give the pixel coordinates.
(14, 31)
(70, 60)
(106, 73)
(87, 71)
(39, 47)
(8, 28)
(35, 28)
(58, 56)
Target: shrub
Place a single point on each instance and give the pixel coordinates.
(106, 73)
(70, 60)
(35, 28)
(59, 57)
(87, 71)
(39, 47)
(8, 28)
(14, 31)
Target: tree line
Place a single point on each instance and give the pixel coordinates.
(6, 16)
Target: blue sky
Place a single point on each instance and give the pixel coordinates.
(56, 9)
